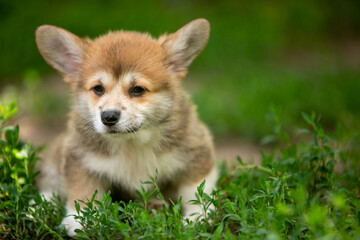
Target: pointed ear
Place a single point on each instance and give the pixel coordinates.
(183, 46)
(62, 50)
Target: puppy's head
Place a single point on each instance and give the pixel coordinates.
(123, 81)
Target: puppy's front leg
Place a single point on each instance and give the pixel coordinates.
(81, 185)
(188, 193)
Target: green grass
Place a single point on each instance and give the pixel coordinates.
(295, 193)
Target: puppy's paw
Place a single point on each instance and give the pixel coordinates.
(71, 224)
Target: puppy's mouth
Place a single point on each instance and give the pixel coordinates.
(121, 131)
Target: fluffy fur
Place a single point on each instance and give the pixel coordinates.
(157, 130)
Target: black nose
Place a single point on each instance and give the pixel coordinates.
(110, 118)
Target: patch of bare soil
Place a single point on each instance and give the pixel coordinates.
(35, 132)
(228, 149)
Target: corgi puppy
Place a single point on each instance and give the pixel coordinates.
(130, 117)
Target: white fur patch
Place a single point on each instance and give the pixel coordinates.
(104, 77)
(130, 77)
(70, 223)
(52, 182)
(134, 161)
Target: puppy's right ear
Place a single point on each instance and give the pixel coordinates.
(62, 50)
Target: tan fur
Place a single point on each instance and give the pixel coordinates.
(170, 137)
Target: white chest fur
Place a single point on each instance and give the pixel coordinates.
(133, 164)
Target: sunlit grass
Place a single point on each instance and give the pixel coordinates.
(295, 193)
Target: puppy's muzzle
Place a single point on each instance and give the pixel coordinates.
(110, 118)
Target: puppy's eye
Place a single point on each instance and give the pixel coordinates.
(136, 91)
(98, 90)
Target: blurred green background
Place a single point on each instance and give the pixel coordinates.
(288, 56)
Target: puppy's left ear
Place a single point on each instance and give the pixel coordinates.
(183, 46)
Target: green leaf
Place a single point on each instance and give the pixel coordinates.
(81, 235)
(218, 231)
(200, 188)
(308, 119)
(268, 139)
(238, 158)
(12, 135)
(320, 130)
(10, 111)
(257, 196)
(22, 154)
(313, 116)
(151, 194)
(77, 206)
(303, 131)
(2, 112)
